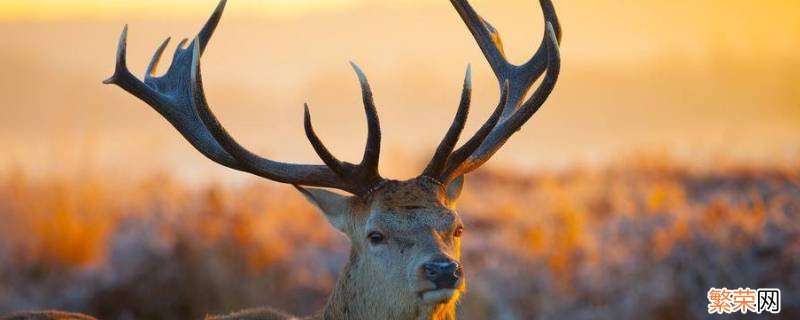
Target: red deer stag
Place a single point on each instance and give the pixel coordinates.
(405, 235)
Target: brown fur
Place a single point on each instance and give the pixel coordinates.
(46, 315)
(254, 314)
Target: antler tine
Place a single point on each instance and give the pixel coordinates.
(448, 143)
(121, 64)
(486, 35)
(456, 163)
(372, 149)
(327, 157)
(515, 81)
(366, 172)
(537, 62)
(125, 79)
(211, 25)
(151, 68)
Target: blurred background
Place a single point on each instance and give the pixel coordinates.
(666, 162)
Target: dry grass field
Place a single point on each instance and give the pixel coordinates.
(644, 238)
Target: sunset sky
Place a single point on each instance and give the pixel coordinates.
(70, 9)
(696, 79)
(627, 30)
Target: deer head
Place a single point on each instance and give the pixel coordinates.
(405, 235)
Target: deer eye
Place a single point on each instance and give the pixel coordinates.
(376, 238)
(458, 232)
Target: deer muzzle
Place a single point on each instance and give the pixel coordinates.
(444, 273)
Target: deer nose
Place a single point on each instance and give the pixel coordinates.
(444, 273)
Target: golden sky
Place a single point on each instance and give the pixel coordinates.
(692, 77)
(65, 9)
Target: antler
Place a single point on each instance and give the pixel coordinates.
(515, 82)
(178, 96)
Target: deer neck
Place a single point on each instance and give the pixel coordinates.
(356, 297)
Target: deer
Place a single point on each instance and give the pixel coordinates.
(405, 235)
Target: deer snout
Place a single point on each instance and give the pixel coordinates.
(444, 273)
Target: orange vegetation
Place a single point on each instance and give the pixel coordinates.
(647, 233)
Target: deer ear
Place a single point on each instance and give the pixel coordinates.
(453, 188)
(336, 207)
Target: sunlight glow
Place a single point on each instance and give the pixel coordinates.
(83, 9)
